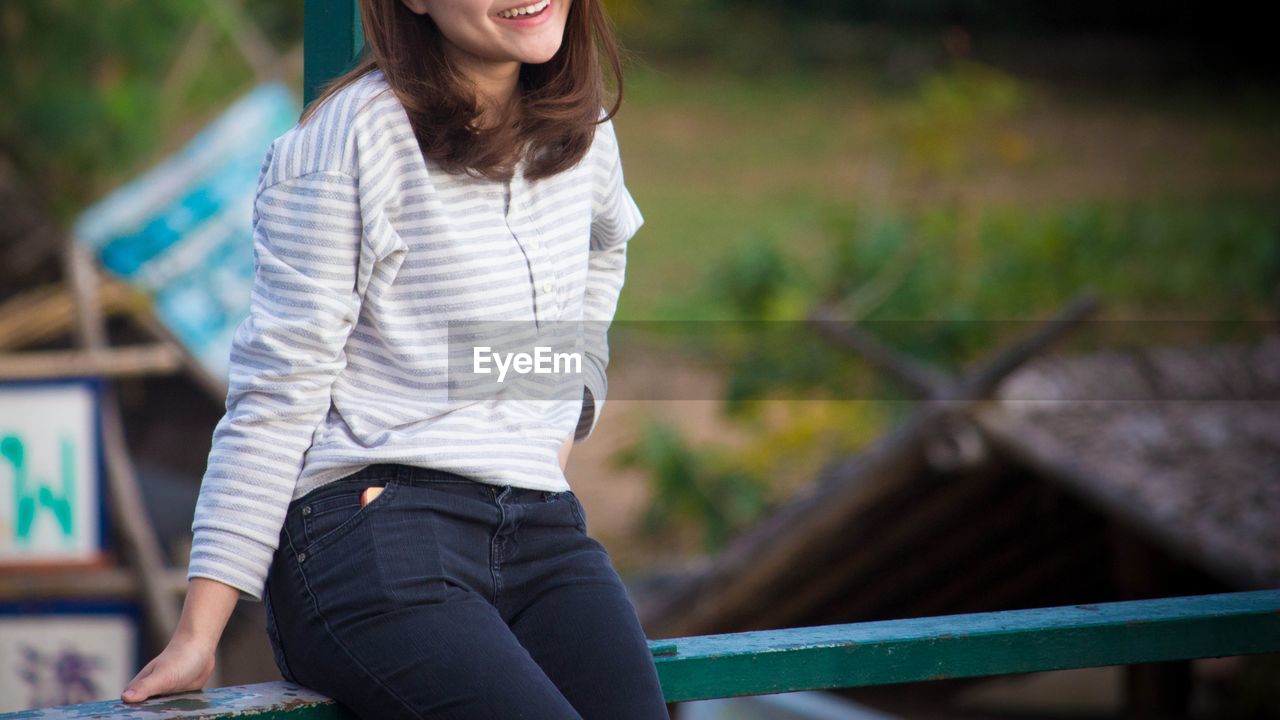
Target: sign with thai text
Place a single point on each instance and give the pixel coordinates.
(51, 504)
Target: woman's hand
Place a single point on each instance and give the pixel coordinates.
(188, 660)
(185, 664)
(565, 449)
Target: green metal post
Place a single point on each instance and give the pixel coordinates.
(332, 39)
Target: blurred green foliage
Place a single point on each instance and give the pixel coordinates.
(958, 117)
(94, 91)
(699, 487)
(1217, 259)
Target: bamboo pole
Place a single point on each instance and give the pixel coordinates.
(154, 359)
(128, 512)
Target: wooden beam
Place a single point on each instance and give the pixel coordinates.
(921, 378)
(990, 373)
(45, 313)
(95, 583)
(154, 359)
(128, 512)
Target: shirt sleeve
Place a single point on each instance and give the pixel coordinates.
(285, 356)
(615, 219)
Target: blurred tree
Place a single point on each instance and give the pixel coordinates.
(93, 91)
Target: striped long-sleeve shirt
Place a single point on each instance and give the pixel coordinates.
(365, 253)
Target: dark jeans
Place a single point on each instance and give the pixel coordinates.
(450, 598)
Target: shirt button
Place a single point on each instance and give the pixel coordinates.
(547, 286)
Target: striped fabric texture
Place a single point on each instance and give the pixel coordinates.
(366, 254)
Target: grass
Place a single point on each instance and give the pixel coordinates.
(1016, 197)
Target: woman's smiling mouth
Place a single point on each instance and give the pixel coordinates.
(525, 15)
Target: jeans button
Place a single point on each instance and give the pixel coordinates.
(302, 556)
(306, 510)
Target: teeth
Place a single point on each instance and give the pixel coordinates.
(526, 10)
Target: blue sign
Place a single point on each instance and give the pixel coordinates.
(182, 232)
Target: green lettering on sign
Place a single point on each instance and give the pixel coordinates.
(31, 495)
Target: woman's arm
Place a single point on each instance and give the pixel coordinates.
(615, 220)
(188, 660)
(285, 356)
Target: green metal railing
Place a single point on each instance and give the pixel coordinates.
(854, 654)
(971, 645)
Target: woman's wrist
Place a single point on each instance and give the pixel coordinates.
(194, 638)
(205, 612)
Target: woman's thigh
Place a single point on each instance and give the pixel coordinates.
(571, 610)
(383, 609)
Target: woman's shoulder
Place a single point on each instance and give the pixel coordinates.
(604, 143)
(328, 139)
(604, 152)
(605, 134)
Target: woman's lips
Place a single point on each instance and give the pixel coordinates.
(529, 20)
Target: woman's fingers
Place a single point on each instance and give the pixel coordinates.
(161, 681)
(135, 690)
(177, 669)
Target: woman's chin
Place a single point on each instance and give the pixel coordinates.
(537, 56)
(538, 60)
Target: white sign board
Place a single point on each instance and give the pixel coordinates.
(51, 509)
(65, 657)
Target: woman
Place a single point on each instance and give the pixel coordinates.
(418, 550)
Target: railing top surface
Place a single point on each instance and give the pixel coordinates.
(850, 655)
(1070, 617)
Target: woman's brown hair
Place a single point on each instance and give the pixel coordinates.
(550, 122)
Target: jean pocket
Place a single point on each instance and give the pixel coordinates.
(327, 518)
